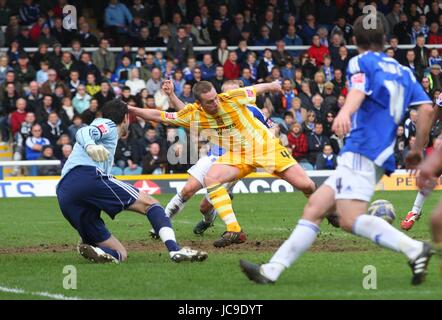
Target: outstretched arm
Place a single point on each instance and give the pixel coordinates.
(262, 88)
(146, 114)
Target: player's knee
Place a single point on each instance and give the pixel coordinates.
(311, 212)
(143, 202)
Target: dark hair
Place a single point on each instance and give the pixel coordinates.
(200, 88)
(288, 114)
(115, 110)
(369, 38)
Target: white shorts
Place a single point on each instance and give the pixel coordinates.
(355, 178)
(200, 169)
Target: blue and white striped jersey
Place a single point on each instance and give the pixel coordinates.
(390, 89)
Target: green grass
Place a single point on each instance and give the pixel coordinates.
(327, 272)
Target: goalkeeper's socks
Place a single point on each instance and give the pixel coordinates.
(162, 226)
(175, 205)
(382, 233)
(299, 241)
(418, 203)
(113, 253)
(223, 205)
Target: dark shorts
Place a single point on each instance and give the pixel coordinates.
(84, 192)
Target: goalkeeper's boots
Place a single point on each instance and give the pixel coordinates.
(253, 272)
(230, 237)
(154, 235)
(420, 264)
(409, 220)
(206, 223)
(95, 254)
(187, 254)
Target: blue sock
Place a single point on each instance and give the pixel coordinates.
(159, 221)
(113, 253)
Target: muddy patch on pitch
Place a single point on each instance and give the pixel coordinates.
(267, 245)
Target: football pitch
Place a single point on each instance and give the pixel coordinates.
(37, 244)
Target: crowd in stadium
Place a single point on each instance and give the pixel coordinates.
(47, 95)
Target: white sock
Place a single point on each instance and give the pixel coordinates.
(299, 241)
(175, 205)
(382, 233)
(418, 203)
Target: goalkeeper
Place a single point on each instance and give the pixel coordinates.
(86, 188)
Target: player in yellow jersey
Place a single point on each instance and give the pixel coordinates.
(248, 144)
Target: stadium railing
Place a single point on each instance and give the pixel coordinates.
(204, 49)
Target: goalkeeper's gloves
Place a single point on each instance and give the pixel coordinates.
(98, 153)
(439, 100)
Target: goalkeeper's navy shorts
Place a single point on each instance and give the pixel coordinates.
(84, 192)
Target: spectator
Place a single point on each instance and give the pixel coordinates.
(35, 143)
(92, 88)
(77, 124)
(308, 29)
(327, 159)
(153, 161)
(154, 83)
(208, 68)
(24, 72)
(4, 68)
(53, 128)
(67, 107)
(178, 81)
(86, 66)
(122, 72)
(297, 142)
(316, 142)
(237, 28)
(126, 153)
(264, 38)
(7, 106)
(242, 51)
(200, 33)
(220, 53)
(135, 83)
(117, 19)
(196, 76)
(180, 47)
(435, 77)
(17, 117)
(105, 94)
(42, 74)
(402, 30)
(90, 114)
(20, 138)
(337, 142)
(231, 67)
(48, 170)
(435, 35)
(410, 62)
(266, 65)
(399, 147)
(435, 57)
(421, 52)
(410, 125)
(102, 58)
(81, 100)
(219, 79)
(135, 27)
(187, 94)
(287, 123)
(66, 151)
(343, 59)
(246, 77)
(29, 12)
(292, 39)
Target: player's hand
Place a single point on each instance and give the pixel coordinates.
(412, 160)
(276, 86)
(439, 100)
(98, 153)
(425, 180)
(168, 87)
(342, 123)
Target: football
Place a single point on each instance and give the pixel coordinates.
(383, 209)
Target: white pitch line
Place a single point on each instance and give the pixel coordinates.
(56, 296)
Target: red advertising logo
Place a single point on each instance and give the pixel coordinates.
(148, 186)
